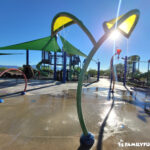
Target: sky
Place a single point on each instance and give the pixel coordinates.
(26, 20)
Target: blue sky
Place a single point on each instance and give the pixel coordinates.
(25, 20)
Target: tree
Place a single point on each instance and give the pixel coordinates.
(92, 72)
(131, 59)
(2, 69)
(120, 69)
(106, 72)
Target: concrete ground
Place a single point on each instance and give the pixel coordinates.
(46, 117)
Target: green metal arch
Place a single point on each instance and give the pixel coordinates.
(75, 21)
(86, 64)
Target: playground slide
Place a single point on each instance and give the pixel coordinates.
(38, 66)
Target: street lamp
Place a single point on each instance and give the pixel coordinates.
(125, 25)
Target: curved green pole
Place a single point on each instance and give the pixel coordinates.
(81, 78)
(91, 54)
(75, 20)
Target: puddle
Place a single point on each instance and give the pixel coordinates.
(26, 118)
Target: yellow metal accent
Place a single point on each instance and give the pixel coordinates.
(126, 26)
(61, 21)
(126, 23)
(112, 22)
(109, 25)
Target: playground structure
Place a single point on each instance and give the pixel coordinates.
(125, 24)
(69, 51)
(51, 52)
(59, 60)
(133, 71)
(46, 60)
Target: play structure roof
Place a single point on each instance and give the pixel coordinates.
(10, 53)
(70, 49)
(46, 44)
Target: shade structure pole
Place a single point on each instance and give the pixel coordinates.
(138, 66)
(148, 71)
(133, 68)
(64, 67)
(55, 64)
(125, 71)
(70, 67)
(27, 57)
(98, 71)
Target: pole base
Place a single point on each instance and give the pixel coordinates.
(1, 101)
(23, 93)
(87, 140)
(112, 91)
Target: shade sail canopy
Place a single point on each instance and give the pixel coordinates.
(10, 53)
(70, 49)
(134, 58)
(46, 44)
(126, 23)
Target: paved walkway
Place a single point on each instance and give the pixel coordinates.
(46, 117)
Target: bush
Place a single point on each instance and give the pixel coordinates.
(2, 69)
(92, 72)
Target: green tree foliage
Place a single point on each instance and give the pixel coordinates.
(2, 69)
(20, 68)
(105, 72)
(131, 59)
(77, 69)
(120, 69)
(92, 72)
(134, 58)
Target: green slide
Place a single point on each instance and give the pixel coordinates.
(38, 66)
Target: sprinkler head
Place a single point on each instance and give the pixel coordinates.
(1, 101)
(23, 93)
(87, 141)
(118, 51)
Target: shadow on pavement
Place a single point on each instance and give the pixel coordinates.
(83, 148)
(18, 93)
(101, 132)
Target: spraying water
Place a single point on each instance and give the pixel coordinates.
(114, 45)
